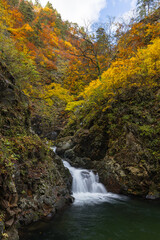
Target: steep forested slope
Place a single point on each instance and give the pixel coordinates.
(115, 127)
(33, 182)
(105, 86)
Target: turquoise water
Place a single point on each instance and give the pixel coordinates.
(119, 218)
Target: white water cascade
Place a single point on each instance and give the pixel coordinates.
(84, 181)
(86, 187)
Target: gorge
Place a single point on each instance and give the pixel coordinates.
(94, 94)
(99, 215)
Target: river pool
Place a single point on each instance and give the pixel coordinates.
(115, 218)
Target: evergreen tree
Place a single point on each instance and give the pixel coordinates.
(49, 5)
(26, 9)
(102, 40)
(37, 3)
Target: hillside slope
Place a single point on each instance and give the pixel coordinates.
(121, 143)
(114, 125)
(33, 181)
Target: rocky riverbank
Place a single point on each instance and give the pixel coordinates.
(33, 180)
(121, 143)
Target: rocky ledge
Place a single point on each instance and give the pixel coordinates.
(33, 180)
(121, 144)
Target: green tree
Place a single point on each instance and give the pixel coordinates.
(13, 2)
(37, 3)
(49, 5)
(102, 40)
(26, 9)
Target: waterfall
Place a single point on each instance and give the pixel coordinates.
(86, 187)
(84, 181)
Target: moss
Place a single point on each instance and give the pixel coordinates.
(127, 132)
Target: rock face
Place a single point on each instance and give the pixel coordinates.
(44, 128)
(121, 144)
(33, 180)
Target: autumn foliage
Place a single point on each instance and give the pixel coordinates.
(59, 62)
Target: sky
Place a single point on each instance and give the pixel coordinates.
(86, 12)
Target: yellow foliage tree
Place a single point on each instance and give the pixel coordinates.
(141, 70)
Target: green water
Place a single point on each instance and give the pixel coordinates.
(116, 219)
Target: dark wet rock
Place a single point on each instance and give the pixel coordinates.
(33, 180)
(79, 162)
(51, 135)
(1, 228)
(60, 204)
(69, 154)
(9, 223)
(44, 127)
(3, 83)
(121, 143)
(13, 234)
(90, 143)
(153, 193)
(64, 144)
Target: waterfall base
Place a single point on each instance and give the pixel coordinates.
(87, 189)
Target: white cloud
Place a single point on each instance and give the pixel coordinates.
(126, 17)
(133, 4)
(78, 11)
